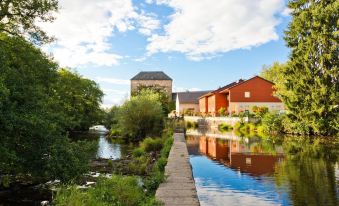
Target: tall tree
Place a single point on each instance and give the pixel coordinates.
(79, 99)
(32, 133)
(312, 75)
(18, 17)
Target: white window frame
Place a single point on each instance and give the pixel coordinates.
(247, 94)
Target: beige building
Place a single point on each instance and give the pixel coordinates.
(187, 101)
(152, 79)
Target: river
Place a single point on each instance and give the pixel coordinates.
(233, 170)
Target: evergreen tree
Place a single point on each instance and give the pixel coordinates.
(311, 91)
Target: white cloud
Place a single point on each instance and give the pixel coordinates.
(82, 29)
(113, 80)
(204, 28)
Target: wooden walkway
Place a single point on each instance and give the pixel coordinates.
(179, 187)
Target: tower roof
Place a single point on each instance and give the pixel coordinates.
(151, 75)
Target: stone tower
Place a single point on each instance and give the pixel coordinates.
(154, 79)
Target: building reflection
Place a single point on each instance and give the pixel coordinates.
(251, 157)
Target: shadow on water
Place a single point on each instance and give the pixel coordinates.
(233, 170)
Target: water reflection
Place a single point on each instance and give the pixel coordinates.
(108, 150)
(264, 171)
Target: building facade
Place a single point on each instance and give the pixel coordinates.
(156, 79)
(241, 96)
(187, 101)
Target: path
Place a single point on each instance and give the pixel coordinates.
(179, 187)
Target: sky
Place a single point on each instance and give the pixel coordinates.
(200, 44)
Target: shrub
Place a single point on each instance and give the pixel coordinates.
(139, 165)
(167, 146)
(259, 111)
(152, 145)
(138, 152)
(272, 122)
(238, 125)
(189, 125)
(294, 127)
(114, 132)
(222, 111)
(161, 163)
(141, 116)
(225, 127)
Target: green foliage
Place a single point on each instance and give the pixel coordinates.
(292, 126)
(238, 125)
(272, 123)
(310, 87)
(18, 18)
(32, 122)
(225, 127)
(111, 117)
(274, 73)
(259, 111)
(151, 144)
(79, 99)
(309, 170)
(167, 146)
(222, 111)
(118, 190)
(138, 152)
(141, 116)
(69, 160)
(5, 180)
(189, 125)
(164, 99)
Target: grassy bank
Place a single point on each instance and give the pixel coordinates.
(145, 172)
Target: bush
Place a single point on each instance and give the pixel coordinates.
(238, 125)
(272, 122)
(141, 116)
(152, 145)
(167, 146)
(225, 127)
(189, 125)
(161, 163)
(222, 111)
(294, 127)
(114, 132)
(138, 152)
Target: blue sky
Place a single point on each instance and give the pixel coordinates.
(200, 44)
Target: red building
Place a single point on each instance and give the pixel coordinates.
(241, 96)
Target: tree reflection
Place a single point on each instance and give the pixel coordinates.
(308, 171)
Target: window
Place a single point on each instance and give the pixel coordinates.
(247, 94)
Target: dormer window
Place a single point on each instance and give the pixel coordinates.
(247, 94)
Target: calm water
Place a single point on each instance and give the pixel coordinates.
(106, 148)
(232, 170)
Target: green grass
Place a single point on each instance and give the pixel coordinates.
(116, 191)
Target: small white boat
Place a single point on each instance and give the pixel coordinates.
(99, 128)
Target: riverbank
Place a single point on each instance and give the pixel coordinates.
(179, 187)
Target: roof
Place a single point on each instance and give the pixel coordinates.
(151, 75)
(189, 96)
(222, 88)
(246, 81)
